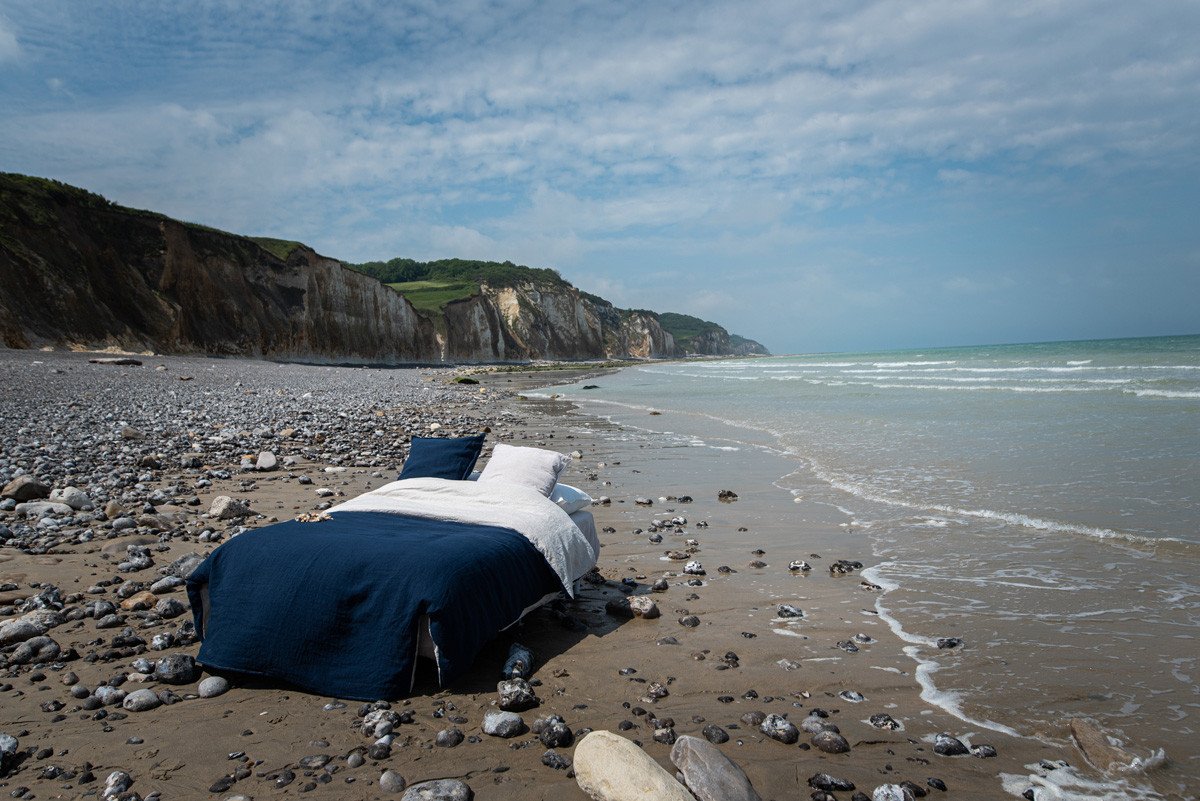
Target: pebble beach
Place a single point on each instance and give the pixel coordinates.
(722, 614)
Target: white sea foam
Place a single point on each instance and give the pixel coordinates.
(1011, 518)
(1064, 783)
(946, 700)
(1161, 393)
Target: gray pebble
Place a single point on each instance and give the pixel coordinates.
(391, 782)
(213, 686)
(439, 790)
(503, 724)
(141, 701)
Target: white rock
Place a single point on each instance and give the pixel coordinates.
(76, 498)
(212, 687)
(226, 508)
(610, 768)
(266, 461)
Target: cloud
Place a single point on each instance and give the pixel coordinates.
(617, 139)
(10, 48)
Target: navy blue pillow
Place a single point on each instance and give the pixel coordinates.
(442, 457)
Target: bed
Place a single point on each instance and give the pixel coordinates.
(343, 607)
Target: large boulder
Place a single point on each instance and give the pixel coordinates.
(610, 768)
(36, 650)
(25, 488)
(708, 773)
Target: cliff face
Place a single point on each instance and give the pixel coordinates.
(77, 270)
(530, 322)
(89, 273)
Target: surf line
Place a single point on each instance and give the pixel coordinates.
(947, 701)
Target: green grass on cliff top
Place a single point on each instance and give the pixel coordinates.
(429, 298)
(279, 248)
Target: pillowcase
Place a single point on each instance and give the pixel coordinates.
(529, 467)
(442, 457)
(570, 499)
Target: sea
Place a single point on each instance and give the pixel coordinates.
(1039, 501)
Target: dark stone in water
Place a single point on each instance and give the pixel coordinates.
(848, 647)
(715, 734)
(936, 783)
(911, 787)
(884, 721)
(948, 642)
(983, 751)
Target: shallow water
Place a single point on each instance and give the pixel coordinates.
(1041, 502)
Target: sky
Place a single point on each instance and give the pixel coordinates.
(819, 176)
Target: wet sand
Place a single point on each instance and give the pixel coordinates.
(723, 669)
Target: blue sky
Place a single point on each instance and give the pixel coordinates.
(815, 175)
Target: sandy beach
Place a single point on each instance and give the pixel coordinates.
(155, 444)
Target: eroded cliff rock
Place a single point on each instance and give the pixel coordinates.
(77, 270)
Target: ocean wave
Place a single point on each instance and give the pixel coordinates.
(1011, 518)
(1162, 393)
(946, 700)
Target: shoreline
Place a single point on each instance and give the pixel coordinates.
(580, 650)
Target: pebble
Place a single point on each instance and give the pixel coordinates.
(438, 790)
(553, 759)
(503, 724)
(788, 610)
(391, 782)
(213, 686)
(891, 792)
(449, 738)
(823, 781)
(638, 606)
(883, 720)
(947, 745)
(117, 782)
(516, 695)
(176, 669)
(554, 732)
(141, 701)
(779, 728)
(830, 742)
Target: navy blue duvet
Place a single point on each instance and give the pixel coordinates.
(332, 607)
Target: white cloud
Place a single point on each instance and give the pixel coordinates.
(10, 48)
(563, 134)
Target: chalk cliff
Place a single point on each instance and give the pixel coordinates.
(77, 270)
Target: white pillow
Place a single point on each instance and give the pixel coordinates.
(529, 467)
(570, 499)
